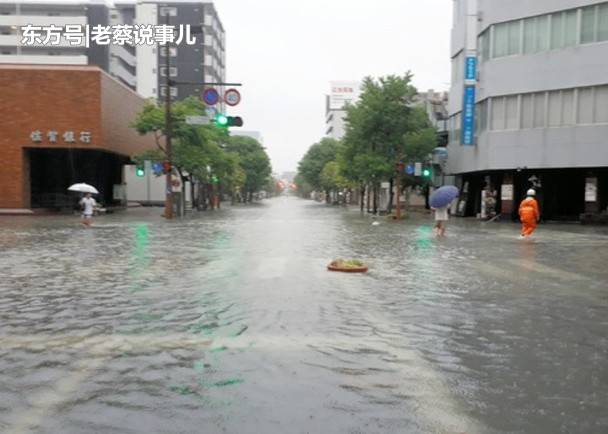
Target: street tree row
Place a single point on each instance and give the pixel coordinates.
(206, 155)
(384, 128)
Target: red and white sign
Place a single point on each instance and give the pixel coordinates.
(232, 97)
(343, 93)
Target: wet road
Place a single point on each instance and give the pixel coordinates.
(229, 323)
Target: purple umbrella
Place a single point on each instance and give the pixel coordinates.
(443, 196)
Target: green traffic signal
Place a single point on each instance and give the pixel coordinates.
(426, 173)
(221, 120)
(139, 171)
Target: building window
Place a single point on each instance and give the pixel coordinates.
(168, 11)
(172, 71)
(527, 111)
(172, 51)
(501, 40)
(568, 107)
(602, 22)
(601, 104)
(163, 91)
(530, 29)
(555, 109)
(588, 25)
(511, 111)
(540, 101)
(571, 28)
(585, 106)
(498, 113)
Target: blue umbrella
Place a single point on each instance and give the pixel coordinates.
(443, 196)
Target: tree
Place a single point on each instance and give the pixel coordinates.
(254, 163)
(385, 127)
(315, 159)
(196, 149)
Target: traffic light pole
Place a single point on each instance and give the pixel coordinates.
(168, 133)
(169, 123)
(400, 167)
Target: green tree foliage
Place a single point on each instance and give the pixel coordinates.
(331, 178)
(253, 161)
(199, 150)
(313, 162)
(384, 127)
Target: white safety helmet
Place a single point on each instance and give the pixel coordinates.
(531, 192)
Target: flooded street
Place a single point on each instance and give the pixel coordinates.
(230, 323)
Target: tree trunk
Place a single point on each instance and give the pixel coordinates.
(390, 196)
(362, 198)
(327, 197)
(375, 198)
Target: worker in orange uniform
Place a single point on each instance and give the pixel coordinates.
(529, 214)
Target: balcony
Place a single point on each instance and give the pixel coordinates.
(41, 20)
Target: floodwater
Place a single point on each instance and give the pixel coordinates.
(230, 323)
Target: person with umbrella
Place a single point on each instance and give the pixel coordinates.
(87, 202)
(529, 214)
(440, 201)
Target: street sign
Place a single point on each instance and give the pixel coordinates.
(418, 169)
(211, 96)
(232, 97)
(468, 117)
(197, 120)
(211, 112)
(409, 169)
(471, 69)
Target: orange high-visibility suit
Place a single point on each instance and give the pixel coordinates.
(529, 215)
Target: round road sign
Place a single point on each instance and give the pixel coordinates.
(211, 97)
(232, 97)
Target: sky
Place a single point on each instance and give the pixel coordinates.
(285, 52)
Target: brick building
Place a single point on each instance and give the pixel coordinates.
(60, 125)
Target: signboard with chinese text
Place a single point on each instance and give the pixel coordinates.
(470, 73)
(54, 136)
(468, 116)
(342, 93)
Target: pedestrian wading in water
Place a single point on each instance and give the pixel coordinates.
(529, 214)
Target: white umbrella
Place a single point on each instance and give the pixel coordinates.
(83, 188)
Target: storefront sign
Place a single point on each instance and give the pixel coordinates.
(52, 136)
(506, 192)
(591, 190)
(471, 69)
(468, 116)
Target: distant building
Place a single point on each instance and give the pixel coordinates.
(203, 62)
(14, 14)
(342, 93)
(142, 67)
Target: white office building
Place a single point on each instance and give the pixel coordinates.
(341, 94)
(529, 104)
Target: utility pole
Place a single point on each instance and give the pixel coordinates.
(168, 132)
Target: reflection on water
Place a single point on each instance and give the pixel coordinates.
(230, 323)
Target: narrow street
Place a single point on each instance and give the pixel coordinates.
(230, 323)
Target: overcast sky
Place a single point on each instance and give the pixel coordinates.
(285, 52)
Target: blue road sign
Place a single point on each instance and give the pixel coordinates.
(471, 68)
(468, 116)
(211, 96)
(157, 168)
(409, 169)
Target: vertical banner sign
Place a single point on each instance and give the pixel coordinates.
(471, 69)
(468, 116)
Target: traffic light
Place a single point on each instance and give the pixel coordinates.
(427, 172)
(140, 170)
(166, 167)
(221, 120)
